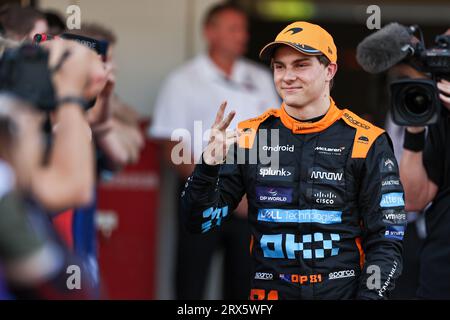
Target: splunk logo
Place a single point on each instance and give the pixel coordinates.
(284, 246)
(213, 217)
(272, 174)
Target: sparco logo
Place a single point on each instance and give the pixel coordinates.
(263, 276)
(274, 172)
(323, 175)
(355, 122)
(325, 198)
(341, 274)
(286, 148)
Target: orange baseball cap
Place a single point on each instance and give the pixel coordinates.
(305, 37)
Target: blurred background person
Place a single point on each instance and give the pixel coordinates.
(34, 257)
(55, 22)
(407, 284)
(22, 23)
(118, 142)
(190, 94)
(425, 175)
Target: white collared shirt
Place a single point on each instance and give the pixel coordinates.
(195, 91)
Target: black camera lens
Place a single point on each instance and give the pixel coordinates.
(414, 102)
(417, 100)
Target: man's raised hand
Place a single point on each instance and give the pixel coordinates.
(220, 139)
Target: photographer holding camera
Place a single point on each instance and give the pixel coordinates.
(425, 162)
(33, 258)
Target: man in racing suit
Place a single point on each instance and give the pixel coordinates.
(327, 210)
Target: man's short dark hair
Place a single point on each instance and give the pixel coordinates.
(96, 31)
(323, 60)
(18, 21)
(216, 10)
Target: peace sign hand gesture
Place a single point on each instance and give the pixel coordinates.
(220, 140)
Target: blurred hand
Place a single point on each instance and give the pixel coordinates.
(100, 115)
(71, 63)
(220, 139)
(444, 95)
(415, 129)
(242, 209)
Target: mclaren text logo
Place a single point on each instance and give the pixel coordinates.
(327, 150)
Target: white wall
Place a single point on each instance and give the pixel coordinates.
(154, 36)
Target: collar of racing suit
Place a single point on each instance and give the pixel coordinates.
(332, 115)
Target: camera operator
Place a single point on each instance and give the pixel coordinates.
(425, 162)
(425, 175)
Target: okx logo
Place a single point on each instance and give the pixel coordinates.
(274, 246)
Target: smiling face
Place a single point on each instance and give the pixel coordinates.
(300, 79)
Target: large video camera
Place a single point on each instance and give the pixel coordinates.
(415, 102)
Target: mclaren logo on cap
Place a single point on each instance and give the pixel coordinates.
(294, 30)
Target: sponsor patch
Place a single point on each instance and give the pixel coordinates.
(388, 165)
(392, 216)
(330, 150)
(320, 175)
(301, 279)
(324, 197)
(263, 276)
(393, 199)
(395, 232)
(274, 194)
(299, 216)
(279, 174)
(390, 183)
(341, 274)
(278, 148)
